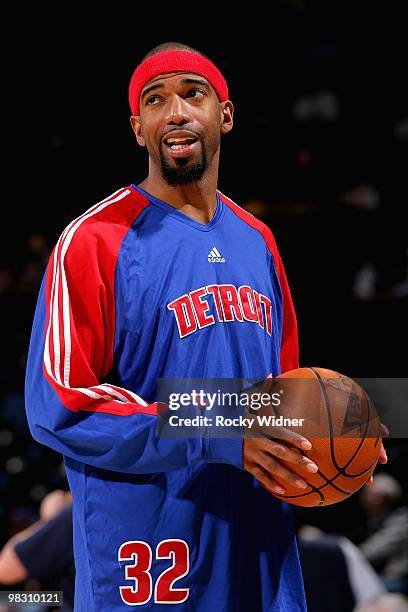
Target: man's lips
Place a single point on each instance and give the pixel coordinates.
(182, 150)
(180, 143)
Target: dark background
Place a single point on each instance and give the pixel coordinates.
(320, 142)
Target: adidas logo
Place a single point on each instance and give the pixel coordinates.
(214, 256)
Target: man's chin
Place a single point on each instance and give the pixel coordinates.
(182, 170)
(181, 162)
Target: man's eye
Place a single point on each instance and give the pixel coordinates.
(196, 90)
(151, 99)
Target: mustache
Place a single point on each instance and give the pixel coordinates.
(167, 132)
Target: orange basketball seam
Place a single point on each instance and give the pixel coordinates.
(340, 469)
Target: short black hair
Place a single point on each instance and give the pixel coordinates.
(170, 46)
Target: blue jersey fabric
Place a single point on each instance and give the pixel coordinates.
(128, 486)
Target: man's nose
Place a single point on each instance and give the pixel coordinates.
(177, 111)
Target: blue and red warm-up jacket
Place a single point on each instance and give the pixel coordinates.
(137, 287)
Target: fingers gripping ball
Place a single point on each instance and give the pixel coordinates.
(343, 426)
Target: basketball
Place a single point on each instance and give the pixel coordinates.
(343, 426)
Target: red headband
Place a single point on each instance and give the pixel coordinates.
(174, 61)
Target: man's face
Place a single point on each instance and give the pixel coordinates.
(181, 121)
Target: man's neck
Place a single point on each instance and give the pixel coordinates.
(196, 200)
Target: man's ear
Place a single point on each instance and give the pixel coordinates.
(227, 113)
(138, 130)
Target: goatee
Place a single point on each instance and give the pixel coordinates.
(183, 174)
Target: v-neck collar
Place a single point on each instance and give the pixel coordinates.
(182, 217)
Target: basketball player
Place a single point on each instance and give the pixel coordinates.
(168, 279)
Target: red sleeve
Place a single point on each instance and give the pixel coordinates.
(289, 353)
(80, 311)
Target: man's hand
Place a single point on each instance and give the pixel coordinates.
(383, 453)
(264, 447)
(54, 502)
(261, 459)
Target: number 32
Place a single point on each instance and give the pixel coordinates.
(141, 554)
